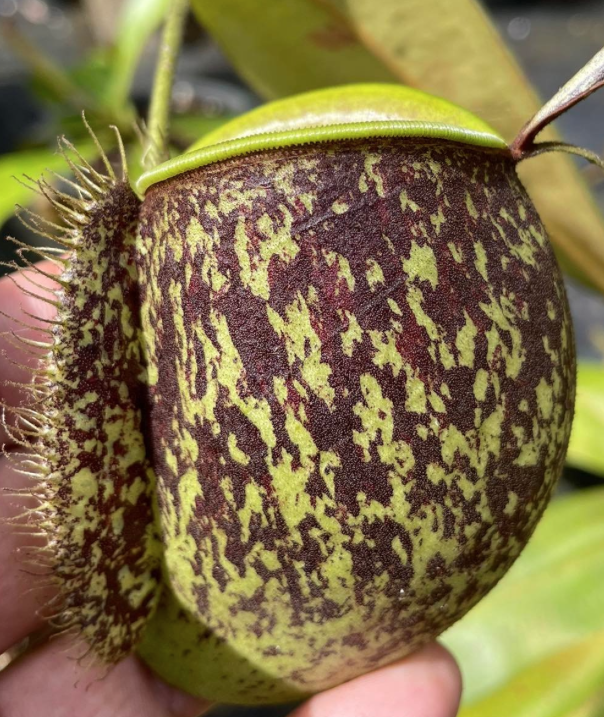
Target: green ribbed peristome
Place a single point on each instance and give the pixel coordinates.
(363, 111)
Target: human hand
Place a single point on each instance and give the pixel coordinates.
(50, 680)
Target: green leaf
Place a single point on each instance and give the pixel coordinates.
(551, 598)
(282, 47)
(585, 450)
(553, 687)
(188, 128)
(139, 20)
(92, 73)
(51, 81)
(31, 162)
(592, 707)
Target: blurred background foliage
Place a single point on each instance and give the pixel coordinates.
(535, 646)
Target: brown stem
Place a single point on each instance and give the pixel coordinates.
(584, 83)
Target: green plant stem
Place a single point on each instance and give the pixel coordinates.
(52, 77)
(159, 112)
(60, 85)
(137, 20)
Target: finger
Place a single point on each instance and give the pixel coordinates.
(69, 688)
(426, 684)
(26, 592)
(20, 310)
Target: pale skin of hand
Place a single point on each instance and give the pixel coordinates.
(50, 680)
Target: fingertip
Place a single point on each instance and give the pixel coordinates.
(14, 298)
(28, 591)
(22, 316)
(425, 684)
(445, 679)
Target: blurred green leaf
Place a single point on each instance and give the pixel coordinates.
(282, 47)
(551, 598)
(592, 707)
(34, 162)
(554, 687)
(92, 73)
(586, 450)
(50, 80)
(457, 55)
(188, 128)
(84, 87)
(31, 162)
(138, 21)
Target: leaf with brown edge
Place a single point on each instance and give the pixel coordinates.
(421, 43)
(550, 600)
(282, 48)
